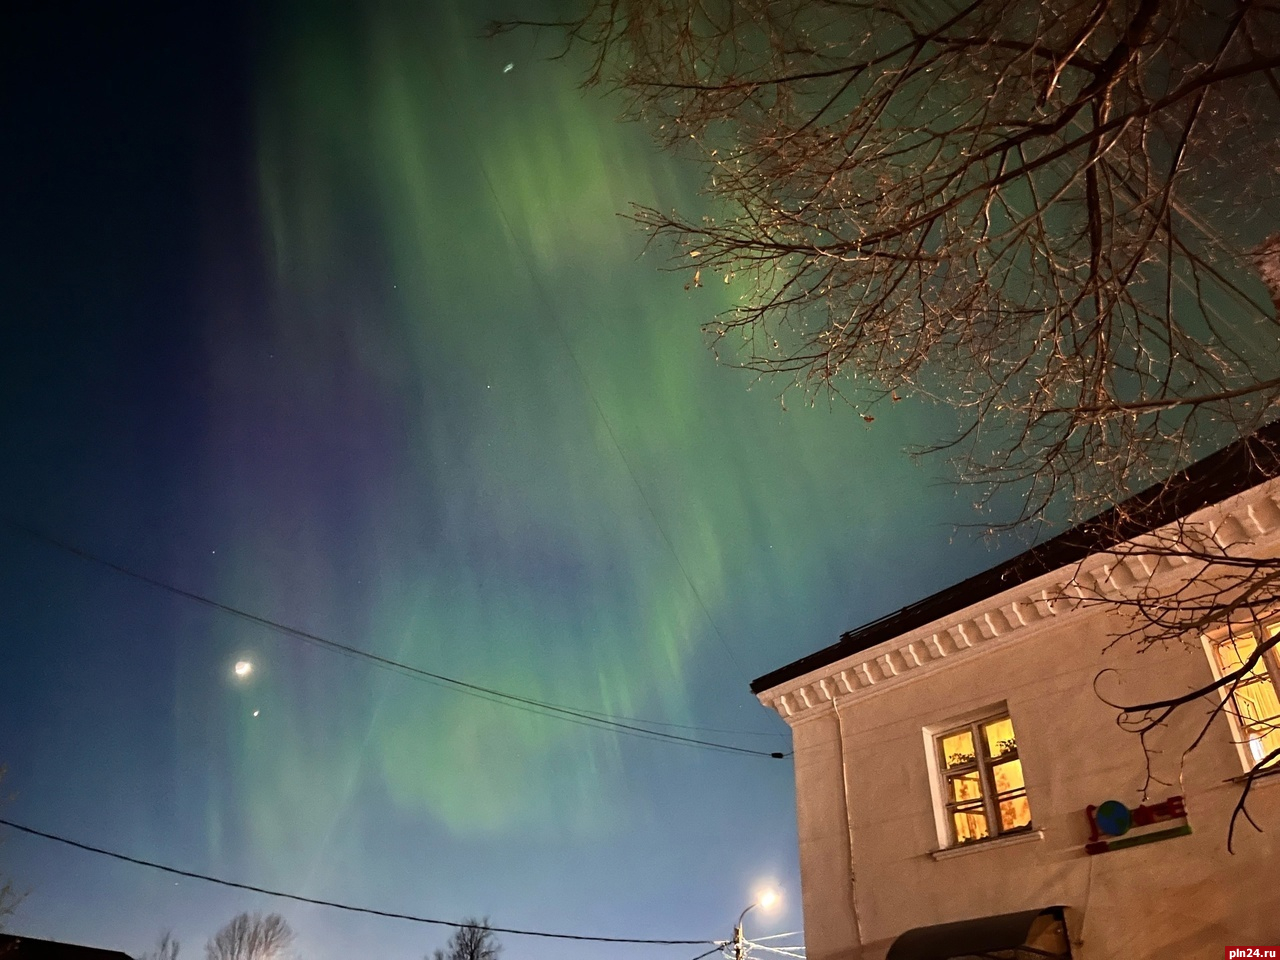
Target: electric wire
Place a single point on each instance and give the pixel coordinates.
(335, 904)
(779, 950)
(516, 701)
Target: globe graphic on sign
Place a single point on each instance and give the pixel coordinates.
(1113, 818)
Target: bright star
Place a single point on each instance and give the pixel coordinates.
(243, 668)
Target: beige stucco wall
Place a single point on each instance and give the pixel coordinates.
(826, 866)
(867, 823)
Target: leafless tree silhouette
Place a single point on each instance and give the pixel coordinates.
(1193, 579)
(474, 941)
(166, 948)
(251, 936)
(1043, 213)
(10, 898)
(1060, 218)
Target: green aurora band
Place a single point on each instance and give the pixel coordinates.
(546, 435)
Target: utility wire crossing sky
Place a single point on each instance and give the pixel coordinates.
(137, 861)
(341, 326)
(623, 725)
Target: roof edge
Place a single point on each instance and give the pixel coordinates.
(1237, 467)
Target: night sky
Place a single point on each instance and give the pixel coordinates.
(319, 311)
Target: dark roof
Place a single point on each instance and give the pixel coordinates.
(29, 948)
(1233, 469)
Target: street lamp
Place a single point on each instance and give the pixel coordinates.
(766, 899)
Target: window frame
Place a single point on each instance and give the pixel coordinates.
(941, 775)
(1271, 665)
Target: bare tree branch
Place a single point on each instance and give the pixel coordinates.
(1014, 209)
(251, 936)
(473, 941)
(1055, 217)
(167, 948)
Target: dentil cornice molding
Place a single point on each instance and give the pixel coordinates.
(1249, 521)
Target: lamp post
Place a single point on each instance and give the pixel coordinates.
(767, 899)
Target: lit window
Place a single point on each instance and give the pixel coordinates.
(982, 784)
(1252, 705)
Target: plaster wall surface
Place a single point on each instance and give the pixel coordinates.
(869, 828)
(1183, 897)
(825, 853)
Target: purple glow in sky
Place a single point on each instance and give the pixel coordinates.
(325, 312)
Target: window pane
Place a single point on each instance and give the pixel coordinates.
(1008, 776)
(969, 825)
(999, 737)
(965, 786)
(1256, 703)
(1262, 741)
(957, 749)
(983, 780)
(1014, 813)
(1235, 650)
(1253, 702)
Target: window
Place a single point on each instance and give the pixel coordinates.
(983, 789)
(1252, 705)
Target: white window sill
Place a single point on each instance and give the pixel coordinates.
(1269, 775)
(1013, 839)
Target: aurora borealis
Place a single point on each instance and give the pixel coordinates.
(321, 312)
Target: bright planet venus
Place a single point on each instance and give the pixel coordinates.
(317, 312)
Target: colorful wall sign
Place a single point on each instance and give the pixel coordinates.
(1113, 826)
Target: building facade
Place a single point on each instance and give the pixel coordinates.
(964, 788)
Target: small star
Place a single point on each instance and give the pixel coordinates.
(255, 713)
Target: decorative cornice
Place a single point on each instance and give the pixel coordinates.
(1251, 517)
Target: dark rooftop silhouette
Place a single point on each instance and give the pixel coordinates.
(1231, 470)
(31, 948)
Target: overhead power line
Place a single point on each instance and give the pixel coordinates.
(580, 716)
(795, 952)
(336, 905)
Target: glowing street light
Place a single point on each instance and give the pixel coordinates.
(243, 668)
(766, 899)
